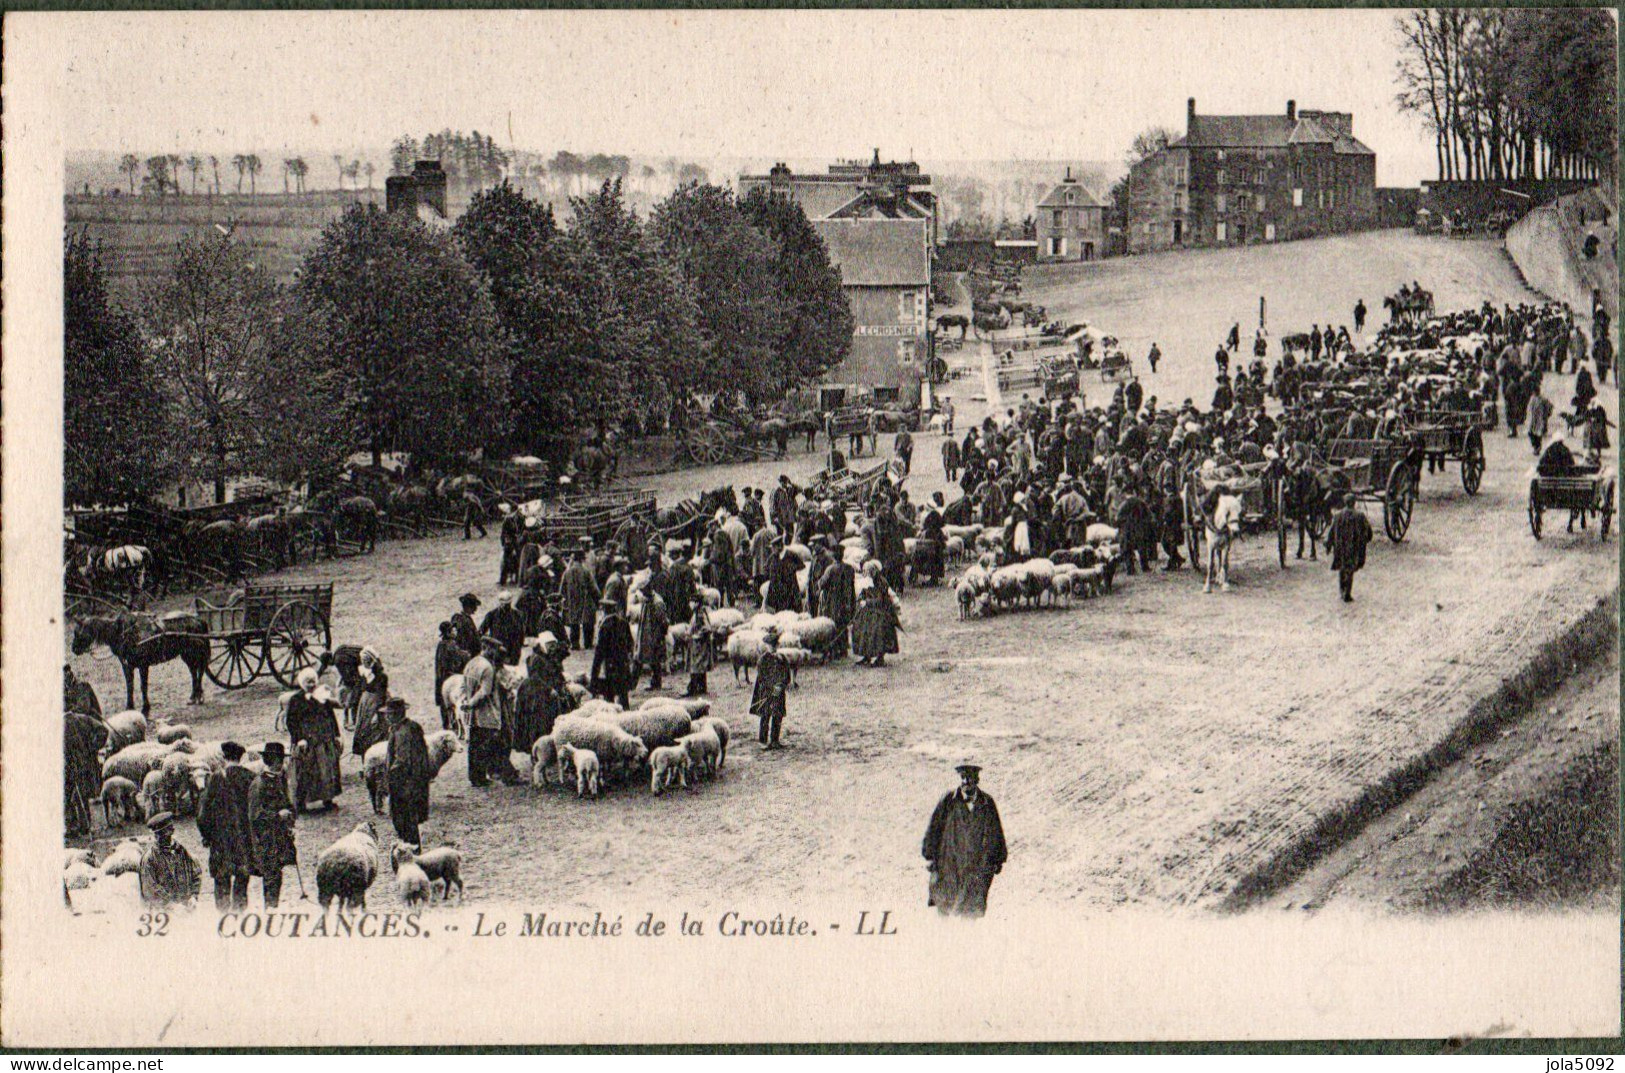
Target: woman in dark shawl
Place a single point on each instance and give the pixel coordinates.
(874, 626)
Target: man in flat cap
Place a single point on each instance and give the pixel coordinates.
(487, 751)
(222, 823)
(463, 630)
(964, 847)
(167, 872)
(407, 762)
(270, 823)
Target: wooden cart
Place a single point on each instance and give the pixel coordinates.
(1457, 435)
(1587, 492)
(280, 628)
(1380, 471)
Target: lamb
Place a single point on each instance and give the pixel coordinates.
(1061, 585)
(347, 868)
(656, 726)
(974, 584)
(544, 754)
(125, 728)
(443, 866)
(1008, 585)
(607, 741)
(126, 857)
(375, 772)
(718, 726)
(724, 619)
(410, 879)
(153, 797)
(668, 764)
(744, 650)
(704, 750)
(167, 733)
(585, 762)
(120, 794)
(953, 549)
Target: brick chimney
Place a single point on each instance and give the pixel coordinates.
(1190, 110)
(1292, 110)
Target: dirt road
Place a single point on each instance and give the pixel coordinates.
(1150, 748)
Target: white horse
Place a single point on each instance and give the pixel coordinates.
(1222, 527)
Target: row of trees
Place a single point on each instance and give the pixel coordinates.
(163, 172)
(471, 159)
(1513, 93)
(508, 331)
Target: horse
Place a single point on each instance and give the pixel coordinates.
(1221, 517)
(357, 521)
(987, 322)
(125, 567)
(140, 642)
(272, 538)
(954, 320)
(596, 464)
(1411, 308)
(809, 424)
(219, 544)
(776, 429)
(315, 526)
(410, 506)
(1307, 502)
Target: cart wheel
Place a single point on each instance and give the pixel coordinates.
(297, 638)
(235, 661)
(1397, 503)
(1534, 508)
(1472, 462)
(1280, 520)
(1607, 510)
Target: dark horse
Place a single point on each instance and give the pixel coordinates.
(596, 464)
(954, 320)
(358, 522)
(1308, 501)
(142, 641)
(687, 520)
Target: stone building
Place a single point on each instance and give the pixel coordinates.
(1071, 223)
(1234, 180)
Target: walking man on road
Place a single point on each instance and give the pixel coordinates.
(1152, 358)
(1348, 536)
(964, 847)
(1359, 316)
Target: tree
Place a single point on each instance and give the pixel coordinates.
(194, 164)
(176, 163)
(301, 168)
(409, 327)
(557, 306)
(214, 164)
(158, 174)
(403, 153)
(130, 165)
(254, 164)
(338, 166)
(816, 325)
(240, 162)
(1149, 142)
(368, 168)
(113, 428)
(658, 343)
(729, 265)
(287, 172)
(211, 323)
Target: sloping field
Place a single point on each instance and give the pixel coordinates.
(1154, 748)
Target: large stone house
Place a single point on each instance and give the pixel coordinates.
(1234, 180)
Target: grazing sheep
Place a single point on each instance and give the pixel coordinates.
(656, 726)
(120, 794)
(668, 764)
(586, 765)
(375, 772)
(718, 726)
(167, 733)
(544, 754)
(704, 752)
(347, 868)
(724, 619)
(744, 650)
(697, 707)
(444, 866)
(125, 728)
(153, 798)
(126, 857)
(411, 880)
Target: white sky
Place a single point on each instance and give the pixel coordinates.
(1073, 85)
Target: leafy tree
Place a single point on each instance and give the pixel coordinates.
(729, 265)
(658, 342)
(158, 173)
(214, 165)
(253, 163)
(1148, 143)
(130, 165)
(403, 153)
(240, 162)
(816, 325)
(194, 164)
(410, 329)
(113, 429)
(557, 305)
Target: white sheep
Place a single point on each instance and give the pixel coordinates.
(442, 746)
(953, 549)
(345, 869)
(816, 633)
(77, 856)
(585, 762)
(126, 857)
(656, 724)
(608, 742)
(1100, 533)
(152, 795)
(410, 879)
(79, 876)
(443, 865)
(712, 598)
(125, 728)
(718, 726)
(794, 658)
(121, 795)
(745, 649)
(668, 764)
(704, 750)
(724, 619)
(544, 755)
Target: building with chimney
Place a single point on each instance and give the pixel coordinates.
(879, 223)
(1071, 223)
(422, 193)
(1232, 180)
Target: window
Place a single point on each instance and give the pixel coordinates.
(1219, 231)
(1269, 232)
(1297, 197)
(1220, 203)
(1219, 155)
(1320, 199)
(905, 305)
(1258, 202)
(1071, 196)
(1179, 201)
(1056, 218)
(1220, 177)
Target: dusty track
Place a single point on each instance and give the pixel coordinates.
(1149, 748)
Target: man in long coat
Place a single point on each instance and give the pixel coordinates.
(581, 595)
(449, 659)
(270, 823)
(653, 627)
(783, 588)
(507, 625)
(487, 716)
(1348, 536)
(408, 765)
(222, 823)
(838, 601)
(767, 700)
(463, 630)
(964, 847)
(613, 671)
(783, 506)
(83, 736)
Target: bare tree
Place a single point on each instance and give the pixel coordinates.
(130, 165)
(254, 165)
(194, 164)
(214, 164)
(240, 162)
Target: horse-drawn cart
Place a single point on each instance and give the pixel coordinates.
(280, 628)
(1454, 436)
(1259, 488)
(1586, 492)
(850, 488)
(599, 515)
(1379, 471)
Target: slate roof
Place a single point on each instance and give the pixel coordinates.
(877, 253)
(1056, 198)
(1264, 132)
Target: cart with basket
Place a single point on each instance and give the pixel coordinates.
(281, 629)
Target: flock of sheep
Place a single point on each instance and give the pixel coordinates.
(1083, 572)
